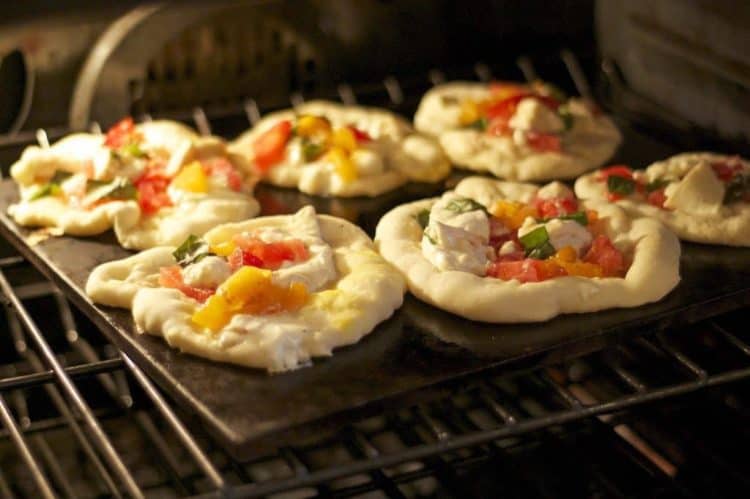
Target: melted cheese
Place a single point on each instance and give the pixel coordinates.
(700, 192)
(561, 233)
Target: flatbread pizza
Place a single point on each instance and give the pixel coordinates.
(504, 252)
(528, 132)
(269, 293)
(154, 183)
(703, 197)
(327, 149)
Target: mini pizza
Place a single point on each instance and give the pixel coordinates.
(702, 197)
(268, 293)
(155, 183)
(496, 251)
(327, 149)
(517, 132)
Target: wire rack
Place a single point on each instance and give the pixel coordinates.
(80, 419)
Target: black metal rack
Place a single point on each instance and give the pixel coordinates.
(81, 419)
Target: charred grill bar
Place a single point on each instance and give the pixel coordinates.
(657, 413)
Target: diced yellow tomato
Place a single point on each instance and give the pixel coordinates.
(567, 254)
(470, 112)
(245, 284)
(192, 178)
(345, 139)
(313, 126)
(342, 163)
(512, 213)
(582, 269)
(249, 290)
(214, 314)
(223, 249)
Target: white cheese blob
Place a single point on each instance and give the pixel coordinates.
(531, 114)
(555, 190)
(700, 192)
(508, 247)
(561, 233)
(319, 269)
(209, 272)
(456, 240)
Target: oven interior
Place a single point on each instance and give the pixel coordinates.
(659, 414)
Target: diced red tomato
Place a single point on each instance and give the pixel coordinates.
(614, 171)
(171, 277)
(274, 254)
(120, 134)
(222, 167)
(543, 142)
(726, 170)
(555, 207)
(239, 258)
(360, 135)
(657, 198)
(526, 270)
(505, 108)
(604, 253)
(613, 196)
(152, 190)
(269, 148)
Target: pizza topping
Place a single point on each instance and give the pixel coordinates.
(152, 190)
(622, 182)
(208, 272)
(118, 189)
(192, 178)
(457, 234)
(313, 138)
(171, 277)
(269, 147)
(249, 290)
(533, 115)
(52, 187)
(736, 177)
(192, 250)
(546, 238)
(700, 192)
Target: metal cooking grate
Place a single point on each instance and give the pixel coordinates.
(80, 419)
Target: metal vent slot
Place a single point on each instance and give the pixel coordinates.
(223, 61)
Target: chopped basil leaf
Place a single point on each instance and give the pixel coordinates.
(192, 250)
(536, 244)
(578, 216)
(620, 185)
(480, 124)
(120, 188)
(737, 188)
(51, 188)
(423, 218)
(311, 150)
(544, 251)
(45, 190)
(656, 184)
(464, 205)
(534, 239)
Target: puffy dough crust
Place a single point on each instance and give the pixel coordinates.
(194, 214)
(366, 293)
(731, 226)
(653, 273)
(411, 156)
(591, 142)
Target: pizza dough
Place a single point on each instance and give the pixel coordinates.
(458, 282)
(57, 183)
(530, 139)
(351, 290)
(387, 152)
(687, 194)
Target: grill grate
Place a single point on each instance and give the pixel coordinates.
(80, 419)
